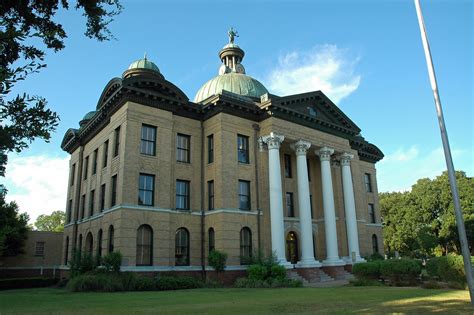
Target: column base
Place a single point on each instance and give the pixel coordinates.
(308, 263)
(333, 261)
(348, 260)
(285, 263)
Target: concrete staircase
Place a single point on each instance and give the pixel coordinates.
(324, 277)
(294, 275)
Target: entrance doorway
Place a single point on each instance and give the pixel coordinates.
(292, 247)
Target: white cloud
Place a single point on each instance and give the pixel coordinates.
(38, 183)
(326, 68)
(399, 170)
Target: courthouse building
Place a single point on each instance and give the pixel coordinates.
(164, 179)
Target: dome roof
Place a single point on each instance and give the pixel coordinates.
(86, 118)
(237, 83)
(89, 115)
(144, 64)
(232, 77)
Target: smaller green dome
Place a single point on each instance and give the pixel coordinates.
(86, 118)
(89, 115)
(144, 64)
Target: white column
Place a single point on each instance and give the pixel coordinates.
(306, 223)
(332, 258)
(273, 142)
(349, 206)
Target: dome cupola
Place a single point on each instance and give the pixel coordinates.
(232, 77)
(142, 66)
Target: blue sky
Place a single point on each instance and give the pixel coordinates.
(366, 55)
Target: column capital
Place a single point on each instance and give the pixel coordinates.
(301, 147)
(325, 153)
(273, 140)
(346, 159)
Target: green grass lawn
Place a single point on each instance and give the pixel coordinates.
(238, 301)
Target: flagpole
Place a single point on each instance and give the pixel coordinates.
(447, 153)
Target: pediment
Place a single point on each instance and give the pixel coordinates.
(317, 106)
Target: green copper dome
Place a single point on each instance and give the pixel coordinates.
(144, 64)
(237, 83)
(89, 115)
(232, 77)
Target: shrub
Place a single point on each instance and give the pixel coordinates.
(286, 283)
(177, 283)
(257, 272)
(368, 270)
(375, 256)
(251, 283)
(431, 285)
(112, 261)
(217, 260)
(144, 284)
(278, 272)
(447, 268)
(25, 283)
(401, 271)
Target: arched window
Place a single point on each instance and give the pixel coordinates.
(89, 243)
(182, 247)
(375, 244)
(245, 246)
(66, 254)
(111, 238)
(80, 245)
(144, 245)
(212, 241)
(99, 243)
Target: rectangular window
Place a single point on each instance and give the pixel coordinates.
(106, 153)
(287, 158)
(91, 202)
(86, 167)
(290, 209)
(368, 182)
(210, 194)
(94, 161)
(182, 194)
(243, 149)
(372, 213)
(73, 173)
(113, 196)
(148, 140)
(69, 211)
(116, 141)
(308, 166)
(146, 190)
(183, 148)
(102, 197)
(210, 149)
(244, 195)
(83, 205)
(39, 249)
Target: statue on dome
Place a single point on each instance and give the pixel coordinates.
(232, 34)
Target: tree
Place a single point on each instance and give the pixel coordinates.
(52, 223)
(13, 228)
(217, 260)
(421, 222)
(22, 24)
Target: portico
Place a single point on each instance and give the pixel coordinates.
(326, 154)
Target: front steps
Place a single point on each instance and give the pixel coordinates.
(318, 276)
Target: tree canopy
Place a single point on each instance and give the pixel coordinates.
(27, 29)
(53, 222)
(13, 228)
(421, 222)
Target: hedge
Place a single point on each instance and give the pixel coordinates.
(447, 268)
(26, 283)
(396, 271)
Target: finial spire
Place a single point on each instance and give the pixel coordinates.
(144, 57)
(232, 34)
